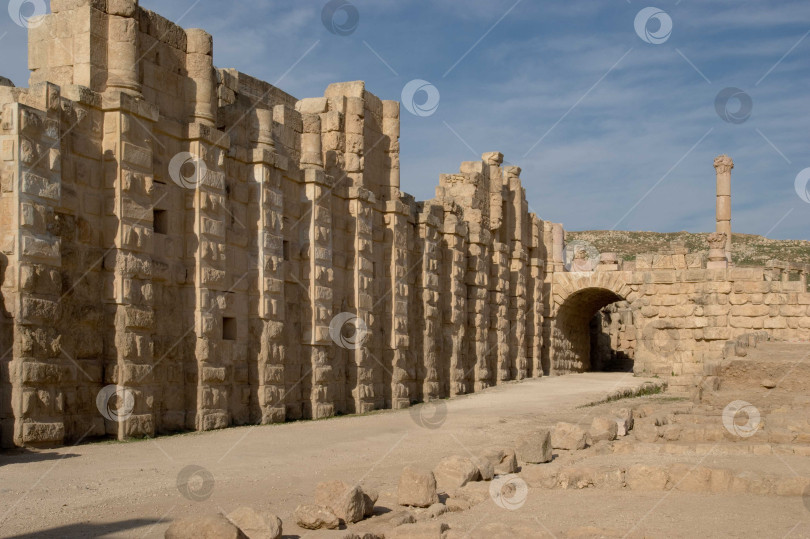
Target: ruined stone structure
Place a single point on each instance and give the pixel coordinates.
(190, 235)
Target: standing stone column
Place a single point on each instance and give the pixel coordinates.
(122, 47)
(723, 165)
(200, 81)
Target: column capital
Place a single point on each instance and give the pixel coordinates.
(723, 164)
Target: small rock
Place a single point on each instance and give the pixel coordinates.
(454, 472)
(256, 525)
(206, 527)
(603, 428)
(436, 510)
(767, 383)
(568, 436)
(535, 447)
(347, 502)
(315, 517)
(416, 488)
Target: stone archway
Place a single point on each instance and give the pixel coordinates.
(577, 298)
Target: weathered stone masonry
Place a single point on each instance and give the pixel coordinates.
(208, 294)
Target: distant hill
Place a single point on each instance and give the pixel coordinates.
(748, 250)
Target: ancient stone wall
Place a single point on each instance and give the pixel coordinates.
(187, 248)
(682, 317)
(189, 235)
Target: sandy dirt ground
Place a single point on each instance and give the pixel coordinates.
(130, 489)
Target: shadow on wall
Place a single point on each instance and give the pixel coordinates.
(613, 338)
(574, 340)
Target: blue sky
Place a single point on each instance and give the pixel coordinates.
(610, 131)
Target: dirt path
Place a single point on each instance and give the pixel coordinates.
(129, 489)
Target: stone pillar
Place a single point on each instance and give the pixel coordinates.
(318, 276)
(361, 208)
(128, 124)
(396, 349)
(428, 316)
(717, 251)
(723, 165)
(558, 246)
(268, 196)
(200, 81)
(122, 47)
(499, 328)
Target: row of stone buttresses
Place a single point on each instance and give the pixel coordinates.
(211, 301)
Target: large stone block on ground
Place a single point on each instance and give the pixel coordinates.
(256, 525)
(206, 527)
(503, 460)
(454, 472)
(315, 517)
(534, 447)
(347, 502)
(646, 432)
(416, 488)
(568, 436)
(486, 470)
(690, 478)
(603, 428)
(541, 476)
(646, 477)
(467, 496)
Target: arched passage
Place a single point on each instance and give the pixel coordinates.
(571, 328)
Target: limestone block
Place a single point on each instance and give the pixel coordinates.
(534, 447)
(646, 477)
(256, 525)
(315, 517)
(568, 436)
(416, 488)
(603, 428)
(454, 472)
(504, 460)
